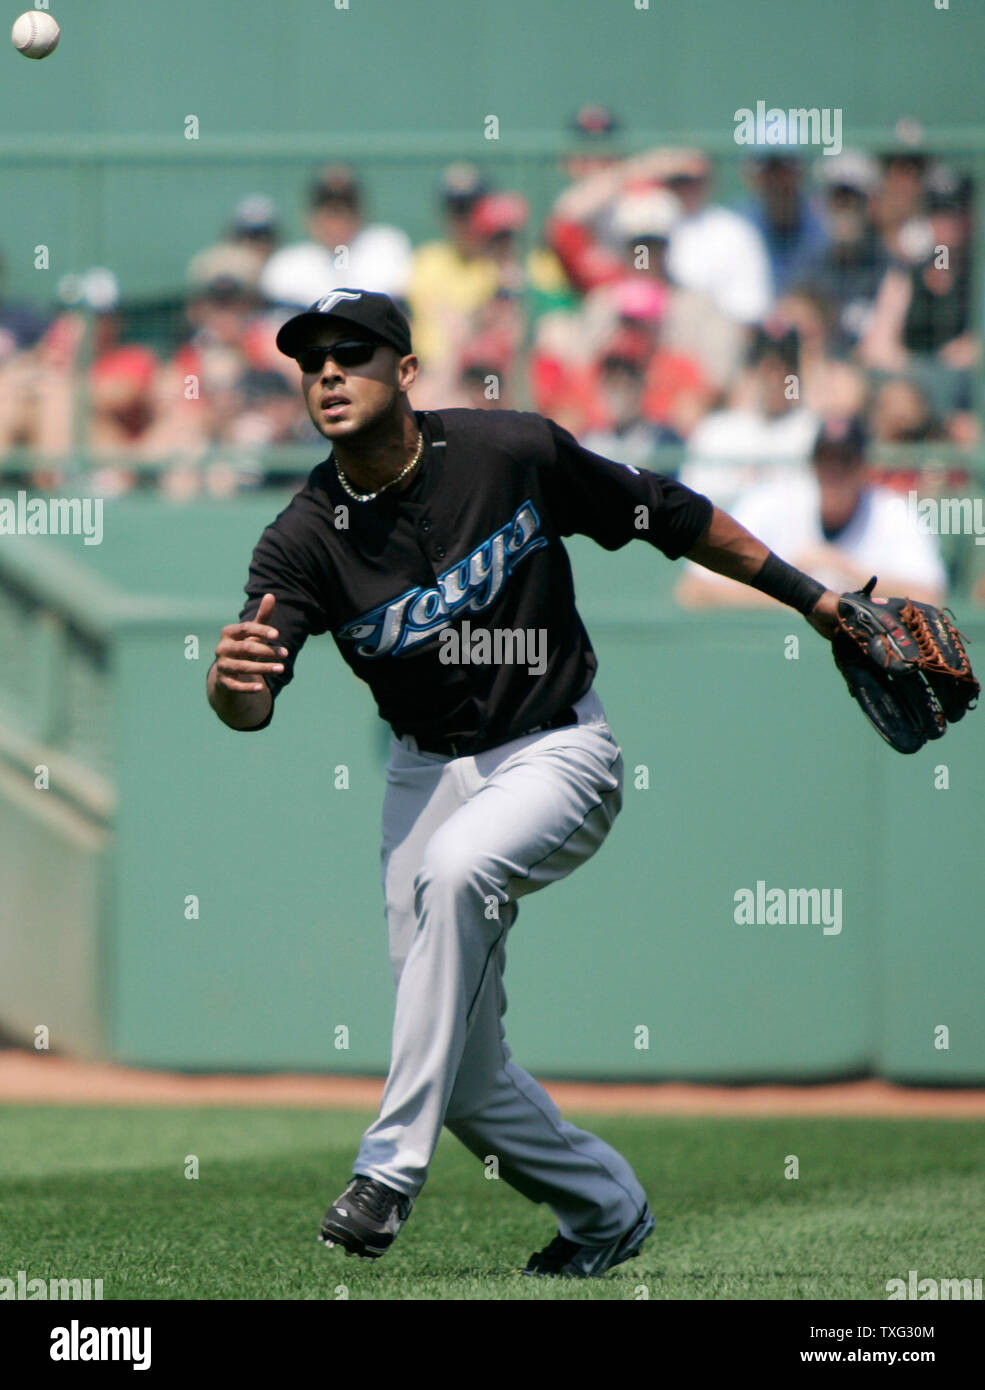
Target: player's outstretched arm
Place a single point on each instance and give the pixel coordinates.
(728, 548)
(236, 688)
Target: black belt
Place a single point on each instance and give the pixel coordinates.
(467, 745)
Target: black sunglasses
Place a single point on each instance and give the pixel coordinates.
(351, 353)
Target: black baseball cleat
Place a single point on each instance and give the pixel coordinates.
(366, 1219)
(567, 1260)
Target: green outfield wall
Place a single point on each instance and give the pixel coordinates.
(122, 798)
(94, 156)
(743, 767)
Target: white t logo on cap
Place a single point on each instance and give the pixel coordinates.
(329, 302)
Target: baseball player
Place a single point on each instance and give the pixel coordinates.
(430, 545)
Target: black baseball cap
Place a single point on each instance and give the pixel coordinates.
(773, 342)
(840, 440)
(461, 186)
(376, 314)
(335, 184)
(944, 190)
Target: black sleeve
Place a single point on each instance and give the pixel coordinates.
(281, 566)
(614, 503)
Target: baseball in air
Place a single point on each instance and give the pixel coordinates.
(35, 34)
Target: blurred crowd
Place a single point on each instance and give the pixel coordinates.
(759, 350)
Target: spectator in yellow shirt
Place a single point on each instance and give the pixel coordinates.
(452, 277)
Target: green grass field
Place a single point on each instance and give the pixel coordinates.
(102, 1193)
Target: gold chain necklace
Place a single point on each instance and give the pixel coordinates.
(368, 496)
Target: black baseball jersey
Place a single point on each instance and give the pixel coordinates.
(474, 543)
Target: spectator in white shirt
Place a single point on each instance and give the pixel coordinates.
(834, 524)
(343, 250)
(718, 252)
(765, 432)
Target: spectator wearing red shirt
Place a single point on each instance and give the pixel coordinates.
(676, 391)
(626, 435)
(582, 227)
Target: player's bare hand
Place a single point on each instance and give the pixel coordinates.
(247, 650)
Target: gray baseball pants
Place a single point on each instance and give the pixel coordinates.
(463, 839)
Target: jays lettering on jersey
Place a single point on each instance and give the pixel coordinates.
(476, 538)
